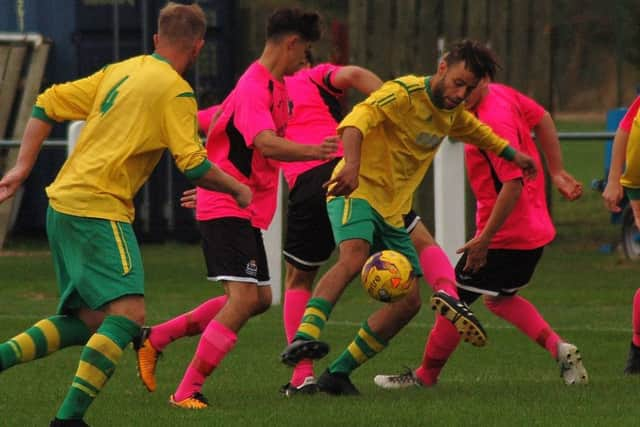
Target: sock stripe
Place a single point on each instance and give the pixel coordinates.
(356, 353)
(371, 340)
(92, 374)
(26, 345)
(51, 334)
(84, 389)
(312, 311)
(85, 386)
(105, 346)
(39, 341)
(364, 347)
(309, 330)
(97, 359)
(16, 349)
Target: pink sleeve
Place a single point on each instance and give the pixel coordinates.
(627, 120)
(507, 128)
(324, 74)
(205, 116)
(252, 112)
(531, 110)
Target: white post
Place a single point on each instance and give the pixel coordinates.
(449, 198)
(273, 246)
(73, 133)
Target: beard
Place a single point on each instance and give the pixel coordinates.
(438, 94)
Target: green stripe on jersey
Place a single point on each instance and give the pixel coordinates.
(198, 171)
(186, 95)
(39, 113)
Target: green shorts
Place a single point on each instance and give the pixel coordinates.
(356, 219)
(96, 260)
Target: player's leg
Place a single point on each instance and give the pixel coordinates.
(352, 223)
(240, 256)
(376, 332)
(633, 361)
(107, 275)
(508, 271)
(308, 245)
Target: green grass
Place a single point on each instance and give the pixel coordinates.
(584, 294)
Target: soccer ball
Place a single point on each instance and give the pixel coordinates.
(386, 276)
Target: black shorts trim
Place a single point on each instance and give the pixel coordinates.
(234, 251)
(506, 271)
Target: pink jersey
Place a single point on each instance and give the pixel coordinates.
(205, 116)
(257, 103)
(627, 120)
(512, 116)
(315, 115)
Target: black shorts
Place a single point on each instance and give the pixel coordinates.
(234, 251)
(309, 240)
(506, 271)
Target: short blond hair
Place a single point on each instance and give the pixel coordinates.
(181, 23)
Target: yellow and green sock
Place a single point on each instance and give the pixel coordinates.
(43, 338)
(315, 316)
(365, 345)
(97, 363)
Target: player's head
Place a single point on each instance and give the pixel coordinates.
(295, 30)
(460, 70)
(181, 27)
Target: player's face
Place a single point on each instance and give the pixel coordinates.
(454, 84)
(297, 48)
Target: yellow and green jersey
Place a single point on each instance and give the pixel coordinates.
(630, 179)
(134, 110)
(402, 131)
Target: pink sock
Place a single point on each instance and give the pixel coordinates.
(187, 324)
(438, 271)
(295, 302)
(442, 342)
(523, 315)
(636, 319)
(217, 340)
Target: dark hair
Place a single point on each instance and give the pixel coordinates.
(308, 55)
(478, 58)
(293, 20)
(181, 23)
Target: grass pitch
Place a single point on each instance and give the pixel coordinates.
(584, 294)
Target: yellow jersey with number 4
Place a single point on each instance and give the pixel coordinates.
(134, 110)
(402, 130)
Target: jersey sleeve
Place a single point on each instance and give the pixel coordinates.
(532, 111)
(627, 120)
(466, 127)
(68, 101)
(390, 102)
(324, 75)
(252, 111)
(180, 128)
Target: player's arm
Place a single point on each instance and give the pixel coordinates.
(477, 247)
(346, 180)
(215, 179)
(469, 129)
(613, 191)
(361, 79)
(547, 136)
(36, 131)
(275, 147)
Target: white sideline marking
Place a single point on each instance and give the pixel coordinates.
(349, 323)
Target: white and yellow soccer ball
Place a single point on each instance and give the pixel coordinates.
(386, 276)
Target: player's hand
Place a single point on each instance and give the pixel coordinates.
(10, 183)
(476, 250)
(188, 199)
(612, 194)
(526, 163)
(345, 182)
(567, 185)
(243, 195)
(328, 147)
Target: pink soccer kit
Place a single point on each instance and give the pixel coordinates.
(315, 114)
(230, 147)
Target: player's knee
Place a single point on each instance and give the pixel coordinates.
(413, 303)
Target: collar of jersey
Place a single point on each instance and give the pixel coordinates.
(427, 87)
(159, 57)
